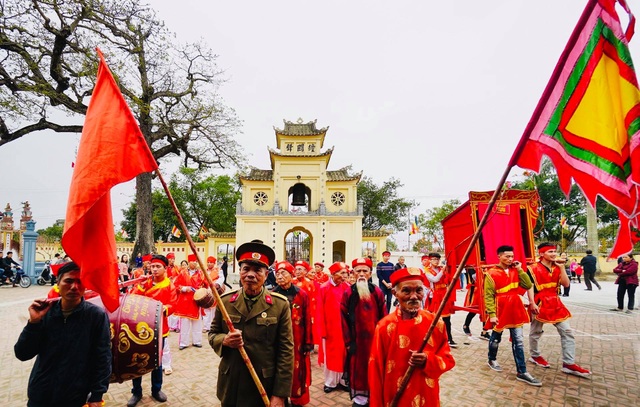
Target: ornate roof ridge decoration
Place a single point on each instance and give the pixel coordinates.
(376, 233)
(299, 128)
(322, 154)
(256, 174)
(342, 174)
(221, 234)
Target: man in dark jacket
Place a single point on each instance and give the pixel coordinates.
(589, 263)
(71, 341)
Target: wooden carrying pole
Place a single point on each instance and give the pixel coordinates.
(450, 288)
(221, 308)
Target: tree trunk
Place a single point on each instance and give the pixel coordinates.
(144, 224)
(592, 233)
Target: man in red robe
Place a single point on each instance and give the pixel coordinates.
(187, 282)
(547, 275)
(302, 281)
(320, 276)
(333, 350)
(439, 278)
(504, 307)
(363, 306)
(396, 338)
(302, 332)
(161, 289)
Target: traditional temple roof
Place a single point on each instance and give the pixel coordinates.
(343, 175)
(376, 233)
(300, 129)
(258, 175)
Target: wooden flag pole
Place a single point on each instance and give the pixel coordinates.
(450, 288)
(220, 305)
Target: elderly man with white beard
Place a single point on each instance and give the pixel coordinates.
(362, 307)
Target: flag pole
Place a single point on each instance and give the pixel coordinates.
(451, 286)
(220, 305)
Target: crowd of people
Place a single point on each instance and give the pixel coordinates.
(365, 336)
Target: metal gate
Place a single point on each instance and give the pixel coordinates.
(297, 246)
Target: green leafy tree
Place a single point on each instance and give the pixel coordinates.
(201, 199)
(423, 245)
(53, 233)
(391, 245)
(555, 205)
(47, 74)
(430, 224)
(381, 205)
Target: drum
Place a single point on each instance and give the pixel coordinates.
(136, 336)
(204, 297)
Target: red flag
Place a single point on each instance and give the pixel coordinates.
(112, 151)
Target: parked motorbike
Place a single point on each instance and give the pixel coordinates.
(46, 276)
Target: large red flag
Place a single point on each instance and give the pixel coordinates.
(112, 150)
(587, 121)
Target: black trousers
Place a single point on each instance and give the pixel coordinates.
(630, 290)
(590, 277)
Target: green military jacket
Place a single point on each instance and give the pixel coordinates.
(268, 340)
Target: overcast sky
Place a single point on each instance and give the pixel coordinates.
(436, 94)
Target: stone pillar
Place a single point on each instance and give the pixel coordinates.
(29, 252)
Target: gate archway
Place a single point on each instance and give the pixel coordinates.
(298, 244)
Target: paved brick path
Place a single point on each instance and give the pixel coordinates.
(608, 343)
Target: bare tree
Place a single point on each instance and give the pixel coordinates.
(48, 65)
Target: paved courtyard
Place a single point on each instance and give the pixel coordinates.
(608, 343)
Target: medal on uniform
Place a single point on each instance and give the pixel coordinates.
(264, 315)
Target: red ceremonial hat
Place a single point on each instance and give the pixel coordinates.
(409, 273)
(255, 252)
(303, 264)
(146, 257)
(171, 255)
(425, 257)
(192, 257)
(211, 259)
(362, 261)
(546, 248)
(386, 252)
(285, 265)
(317, 263)
(337, 266)
(160, 259)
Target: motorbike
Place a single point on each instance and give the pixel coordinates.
(19, 278)
(46, 276)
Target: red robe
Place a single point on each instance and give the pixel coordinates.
(510, 308)
(359, 320)
(310, 288)
(329, 320)
(390, 353)
(321, 277)
(186, 306)
(439, 290)
(164, 292)
(302, 342)
(552, 310)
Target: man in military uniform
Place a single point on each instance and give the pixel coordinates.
(262, 322)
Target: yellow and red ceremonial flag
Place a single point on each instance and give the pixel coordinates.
(587, 121)
(175, 231)
(414, 226)
(112, 151)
